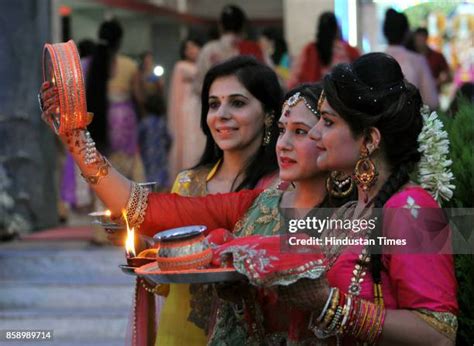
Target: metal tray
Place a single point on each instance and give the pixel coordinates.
(129, 270)
(153, 274)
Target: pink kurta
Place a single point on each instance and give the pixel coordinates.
(411, 280)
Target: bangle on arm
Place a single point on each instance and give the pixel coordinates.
(136, 205)
(102, 171)
(345, 314)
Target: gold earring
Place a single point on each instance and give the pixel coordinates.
(365, 173)
(267, 132)
(338, 185)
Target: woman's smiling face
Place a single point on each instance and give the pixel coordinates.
(235, 116)
(297, 153)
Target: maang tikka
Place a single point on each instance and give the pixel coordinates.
(294, 100)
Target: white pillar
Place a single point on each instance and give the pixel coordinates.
(300, 20)
(370, 29)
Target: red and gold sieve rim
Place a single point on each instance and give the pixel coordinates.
(196, 260)
(62, 68)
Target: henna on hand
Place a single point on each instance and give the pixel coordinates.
(305, 294)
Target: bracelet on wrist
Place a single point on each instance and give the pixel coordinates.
(102, 171)
(345, 314)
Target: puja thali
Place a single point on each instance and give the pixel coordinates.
(207, 275)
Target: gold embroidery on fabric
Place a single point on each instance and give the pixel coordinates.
(315, 267)
(191, 182)
(444, 322)
(263, 212)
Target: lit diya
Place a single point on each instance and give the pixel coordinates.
(104, 220)
(143, 257)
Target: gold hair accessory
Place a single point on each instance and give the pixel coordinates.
(294, 100)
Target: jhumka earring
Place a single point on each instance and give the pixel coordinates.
(365, 173)
(338, 185)
(267, 132)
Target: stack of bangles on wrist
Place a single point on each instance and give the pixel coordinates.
(137, 204)
(348, 315)
(92, 158)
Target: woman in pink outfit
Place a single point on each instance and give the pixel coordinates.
(183, 121)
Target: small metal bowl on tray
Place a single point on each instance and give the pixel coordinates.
(183, 248)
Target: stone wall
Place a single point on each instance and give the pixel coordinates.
(27, 147)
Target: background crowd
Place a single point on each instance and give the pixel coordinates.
(156, 129)
(152, 129)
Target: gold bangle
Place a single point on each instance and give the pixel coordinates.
(376, 330)
(332, 310)
(102, 171)
(137, 204)
(362, 322)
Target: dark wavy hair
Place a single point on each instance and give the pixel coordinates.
(262, 82)
(327, 32)
(372, 92)
(110, 37)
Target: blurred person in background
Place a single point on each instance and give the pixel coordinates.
(182, 119)
(112, 88)
(153, 137)
(231, 43)
(86, 48)
(414, 66)
(464, 93)
(275, 51)
(436, 60)
(318, 57)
